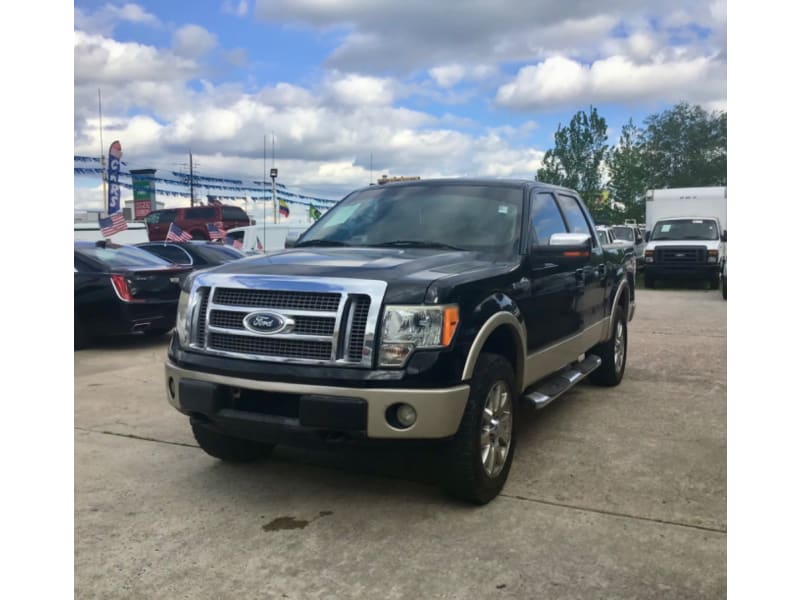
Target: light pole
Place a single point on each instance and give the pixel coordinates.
(273, 173)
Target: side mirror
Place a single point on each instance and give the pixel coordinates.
(724, 237)
(646, 236)
(291, 239)
(565, 248)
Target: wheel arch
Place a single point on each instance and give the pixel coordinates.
(502, 334)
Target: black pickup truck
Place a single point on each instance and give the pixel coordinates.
(424, 310)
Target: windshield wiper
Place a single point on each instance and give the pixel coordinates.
(417, 244)
(321, 242)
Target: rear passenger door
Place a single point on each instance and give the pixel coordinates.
(592, 279)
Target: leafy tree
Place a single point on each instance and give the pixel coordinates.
(685, 146)
(580, 149)
(627, 171)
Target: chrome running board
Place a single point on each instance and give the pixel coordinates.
(550, 388)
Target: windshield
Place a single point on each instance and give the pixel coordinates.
(686, 229)
(471, 217)
(122, 256)
(623, 233)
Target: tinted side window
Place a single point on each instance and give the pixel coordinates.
(171, 253)
(203, 213)
(233, 213)
(574, 215)
(546, 218)
(167, 216)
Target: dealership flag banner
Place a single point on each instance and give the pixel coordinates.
(114, 158)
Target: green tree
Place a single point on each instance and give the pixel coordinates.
(627, 172)
(579, 151)
(685, 146)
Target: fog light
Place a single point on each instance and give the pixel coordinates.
(406, 415)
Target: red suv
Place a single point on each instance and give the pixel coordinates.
(193, 220)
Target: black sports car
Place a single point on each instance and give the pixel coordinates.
(197, 254)
(123, 289)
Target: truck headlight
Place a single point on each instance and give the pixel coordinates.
(406, 328)
(184, 316)
(713, 256)
(182, 321)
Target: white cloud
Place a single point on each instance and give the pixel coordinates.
(100, 59)
(107, 17)
(235, 8)
(360, 90)
(236, 57)
(193, 41)
(447, 76)
(560, 80)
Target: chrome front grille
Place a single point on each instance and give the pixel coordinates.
(679, 255)
(229, 319)
(329, 321)
(277, 299)
(270, 347)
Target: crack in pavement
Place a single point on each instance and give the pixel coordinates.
(136, 437)
(682, 334)
(617, 514)
(513, 497)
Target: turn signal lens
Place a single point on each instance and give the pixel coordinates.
(450, 324)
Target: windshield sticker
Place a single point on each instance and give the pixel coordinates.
(665, 228)
(699, 221)
(502, 209)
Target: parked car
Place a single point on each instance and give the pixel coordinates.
(420, 310)
(123, 289)
(197, 254)
(606, 235)
(632, 234)
(194, 220)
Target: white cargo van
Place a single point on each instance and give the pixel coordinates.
(686, 234)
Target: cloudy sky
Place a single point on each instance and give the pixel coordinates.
(417, 87)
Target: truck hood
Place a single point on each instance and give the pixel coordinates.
(408, 272)
(708, 244)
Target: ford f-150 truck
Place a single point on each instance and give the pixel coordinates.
(422, 310)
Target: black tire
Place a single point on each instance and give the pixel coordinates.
(713, 282)
(228, 448)
(81, 336)
(468, 478)
(610, 373)
(724, 288)
(649, 282)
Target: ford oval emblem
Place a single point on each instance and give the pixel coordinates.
(265, 323)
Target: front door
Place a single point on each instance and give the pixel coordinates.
(593, 278)
(550, 308)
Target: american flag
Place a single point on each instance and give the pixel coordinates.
(215, 231)
(176, 234)
(113, 224)
(233, 242)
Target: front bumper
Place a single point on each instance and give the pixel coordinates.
(271, 411)
(697, 270)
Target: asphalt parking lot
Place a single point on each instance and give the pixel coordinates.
(614, 493)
